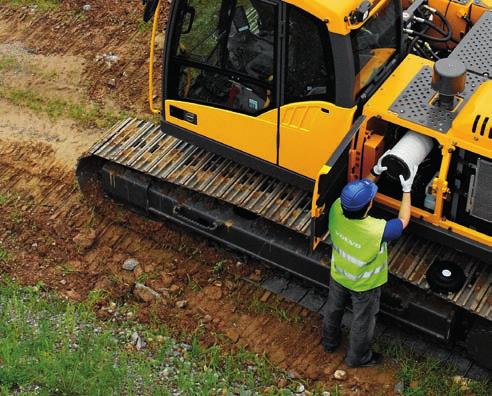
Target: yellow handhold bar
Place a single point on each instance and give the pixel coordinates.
(151, 61)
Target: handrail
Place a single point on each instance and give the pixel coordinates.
(151, 61)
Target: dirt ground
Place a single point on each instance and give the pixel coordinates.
(53, 236)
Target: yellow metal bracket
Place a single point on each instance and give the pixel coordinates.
(372, 12)
(151, 60)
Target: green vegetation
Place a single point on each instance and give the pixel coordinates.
(144, 27)
(3, 199)
(219, 266)
(8, 62)
(86, 115)
(273, 308)
(4, 254)
(51, 346)
(423, 376)
(42, 5)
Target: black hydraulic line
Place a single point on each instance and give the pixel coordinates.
(444, 33)
(434, 54)
(415, 40)
(448, 33)
(420, 51)
(412, 45)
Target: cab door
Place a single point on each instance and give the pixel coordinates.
(311, 126)
(221, 76)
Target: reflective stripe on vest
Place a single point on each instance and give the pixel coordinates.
(355, 260)
(359, 258)
(364, 275)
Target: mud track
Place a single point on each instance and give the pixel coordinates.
(54, 237)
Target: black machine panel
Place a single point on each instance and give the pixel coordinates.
(470, 180)
(475, 50)
(414, 103)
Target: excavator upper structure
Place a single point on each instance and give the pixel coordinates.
(270, 107)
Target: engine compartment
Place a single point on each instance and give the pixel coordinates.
(465, 200)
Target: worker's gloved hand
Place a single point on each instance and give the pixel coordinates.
(406, 185)
(379, 168)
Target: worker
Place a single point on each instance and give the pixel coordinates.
(359, 265)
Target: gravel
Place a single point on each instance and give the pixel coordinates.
(130, 264)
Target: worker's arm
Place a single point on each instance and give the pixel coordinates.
(405, 209)
(406, 201)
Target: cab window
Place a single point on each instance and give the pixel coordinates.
(374, 44)
(309, 74)
(225, 54)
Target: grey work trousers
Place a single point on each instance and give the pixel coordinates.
(365, 306)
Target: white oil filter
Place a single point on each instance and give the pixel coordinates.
(411, 150)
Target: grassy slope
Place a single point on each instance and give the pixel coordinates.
(51, 346)
(42, 5)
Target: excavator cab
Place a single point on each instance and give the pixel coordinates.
(271, 84)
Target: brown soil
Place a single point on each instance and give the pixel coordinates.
(53, 236)
(105, 29)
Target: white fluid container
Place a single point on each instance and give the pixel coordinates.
(411, 150)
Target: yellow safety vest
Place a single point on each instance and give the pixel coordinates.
(359, 260)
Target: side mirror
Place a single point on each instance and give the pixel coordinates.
(190, 14)
(150, 7)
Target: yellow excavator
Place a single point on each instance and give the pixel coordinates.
(270, 107)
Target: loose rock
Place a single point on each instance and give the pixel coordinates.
(326, 393)
(130, 264)
(138, 342)
(112, 83)
(174, 288)
(110, 59)
(144, 293)
(256, 276)
(340, 375)
(167, 280)
(85, 239)
(181, 304)
(282, 383)
(87, 7)
(399, 388)
(213, 292)
(293, 374)
(300, 388)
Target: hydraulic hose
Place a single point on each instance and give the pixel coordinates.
(448, 33)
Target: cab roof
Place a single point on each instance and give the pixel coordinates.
(334, 12)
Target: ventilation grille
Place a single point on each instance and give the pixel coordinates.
(482, 199)
(482, 126)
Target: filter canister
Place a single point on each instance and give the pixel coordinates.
(411, 150)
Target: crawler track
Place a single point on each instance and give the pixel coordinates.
(143, 147)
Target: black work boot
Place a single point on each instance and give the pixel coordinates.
(376, 358)
(328, 347)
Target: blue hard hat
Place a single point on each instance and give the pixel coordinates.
(358, 194)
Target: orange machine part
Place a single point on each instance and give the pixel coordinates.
(373, 150)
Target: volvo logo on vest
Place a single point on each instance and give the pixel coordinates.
(349, 241)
